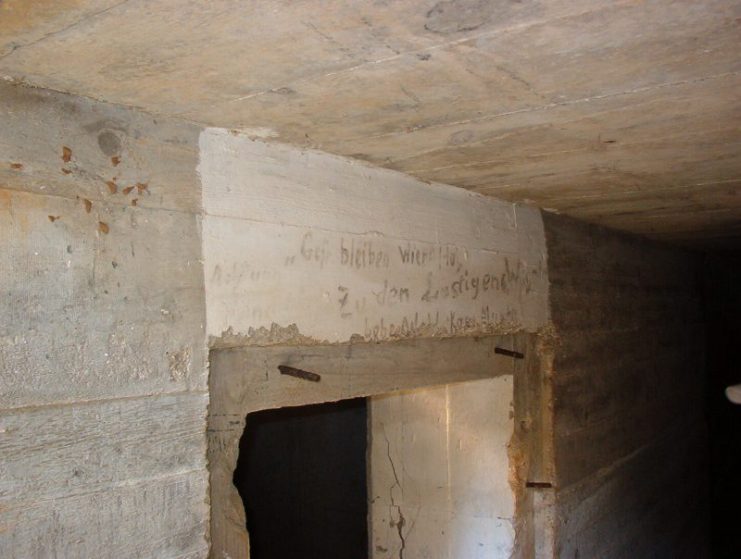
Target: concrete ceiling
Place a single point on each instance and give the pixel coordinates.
(624, 113)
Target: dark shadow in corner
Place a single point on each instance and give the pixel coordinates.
(723, 309)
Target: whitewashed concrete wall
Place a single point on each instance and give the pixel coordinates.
(439, 468)
(102, 348)
(339, 250)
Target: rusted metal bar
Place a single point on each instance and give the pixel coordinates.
(509, 353)
(299, 373)
(539, 485)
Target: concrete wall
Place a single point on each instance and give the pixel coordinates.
(341, 249)
(628, 412)
(102, 354)
(128, 242)
(439, 472)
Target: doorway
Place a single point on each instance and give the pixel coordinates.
(247, 380)
(301, 474)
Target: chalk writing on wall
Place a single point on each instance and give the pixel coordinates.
(336, 285)
(340, 249)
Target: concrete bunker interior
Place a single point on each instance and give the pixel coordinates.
(381, 194)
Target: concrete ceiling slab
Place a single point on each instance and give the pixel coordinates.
(624, 113)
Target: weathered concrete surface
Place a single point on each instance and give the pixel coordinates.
(101, 294)
(25, 23)
(115, 155)
(113, 421)
(103, 352)
(102, 343)
(121, 478)
(341, 249)
(438, 472)
(627, 375)
(90, 315)
(620, 112)
(249, 380)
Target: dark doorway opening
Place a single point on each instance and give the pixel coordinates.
(301, 474)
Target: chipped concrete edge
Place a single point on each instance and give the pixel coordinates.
(290, 335)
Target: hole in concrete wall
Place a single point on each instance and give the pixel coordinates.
(301, 474)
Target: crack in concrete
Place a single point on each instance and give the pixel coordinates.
(72, 25)
(401, 522)
(424, 50)
(547, 107)
(544, 125)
